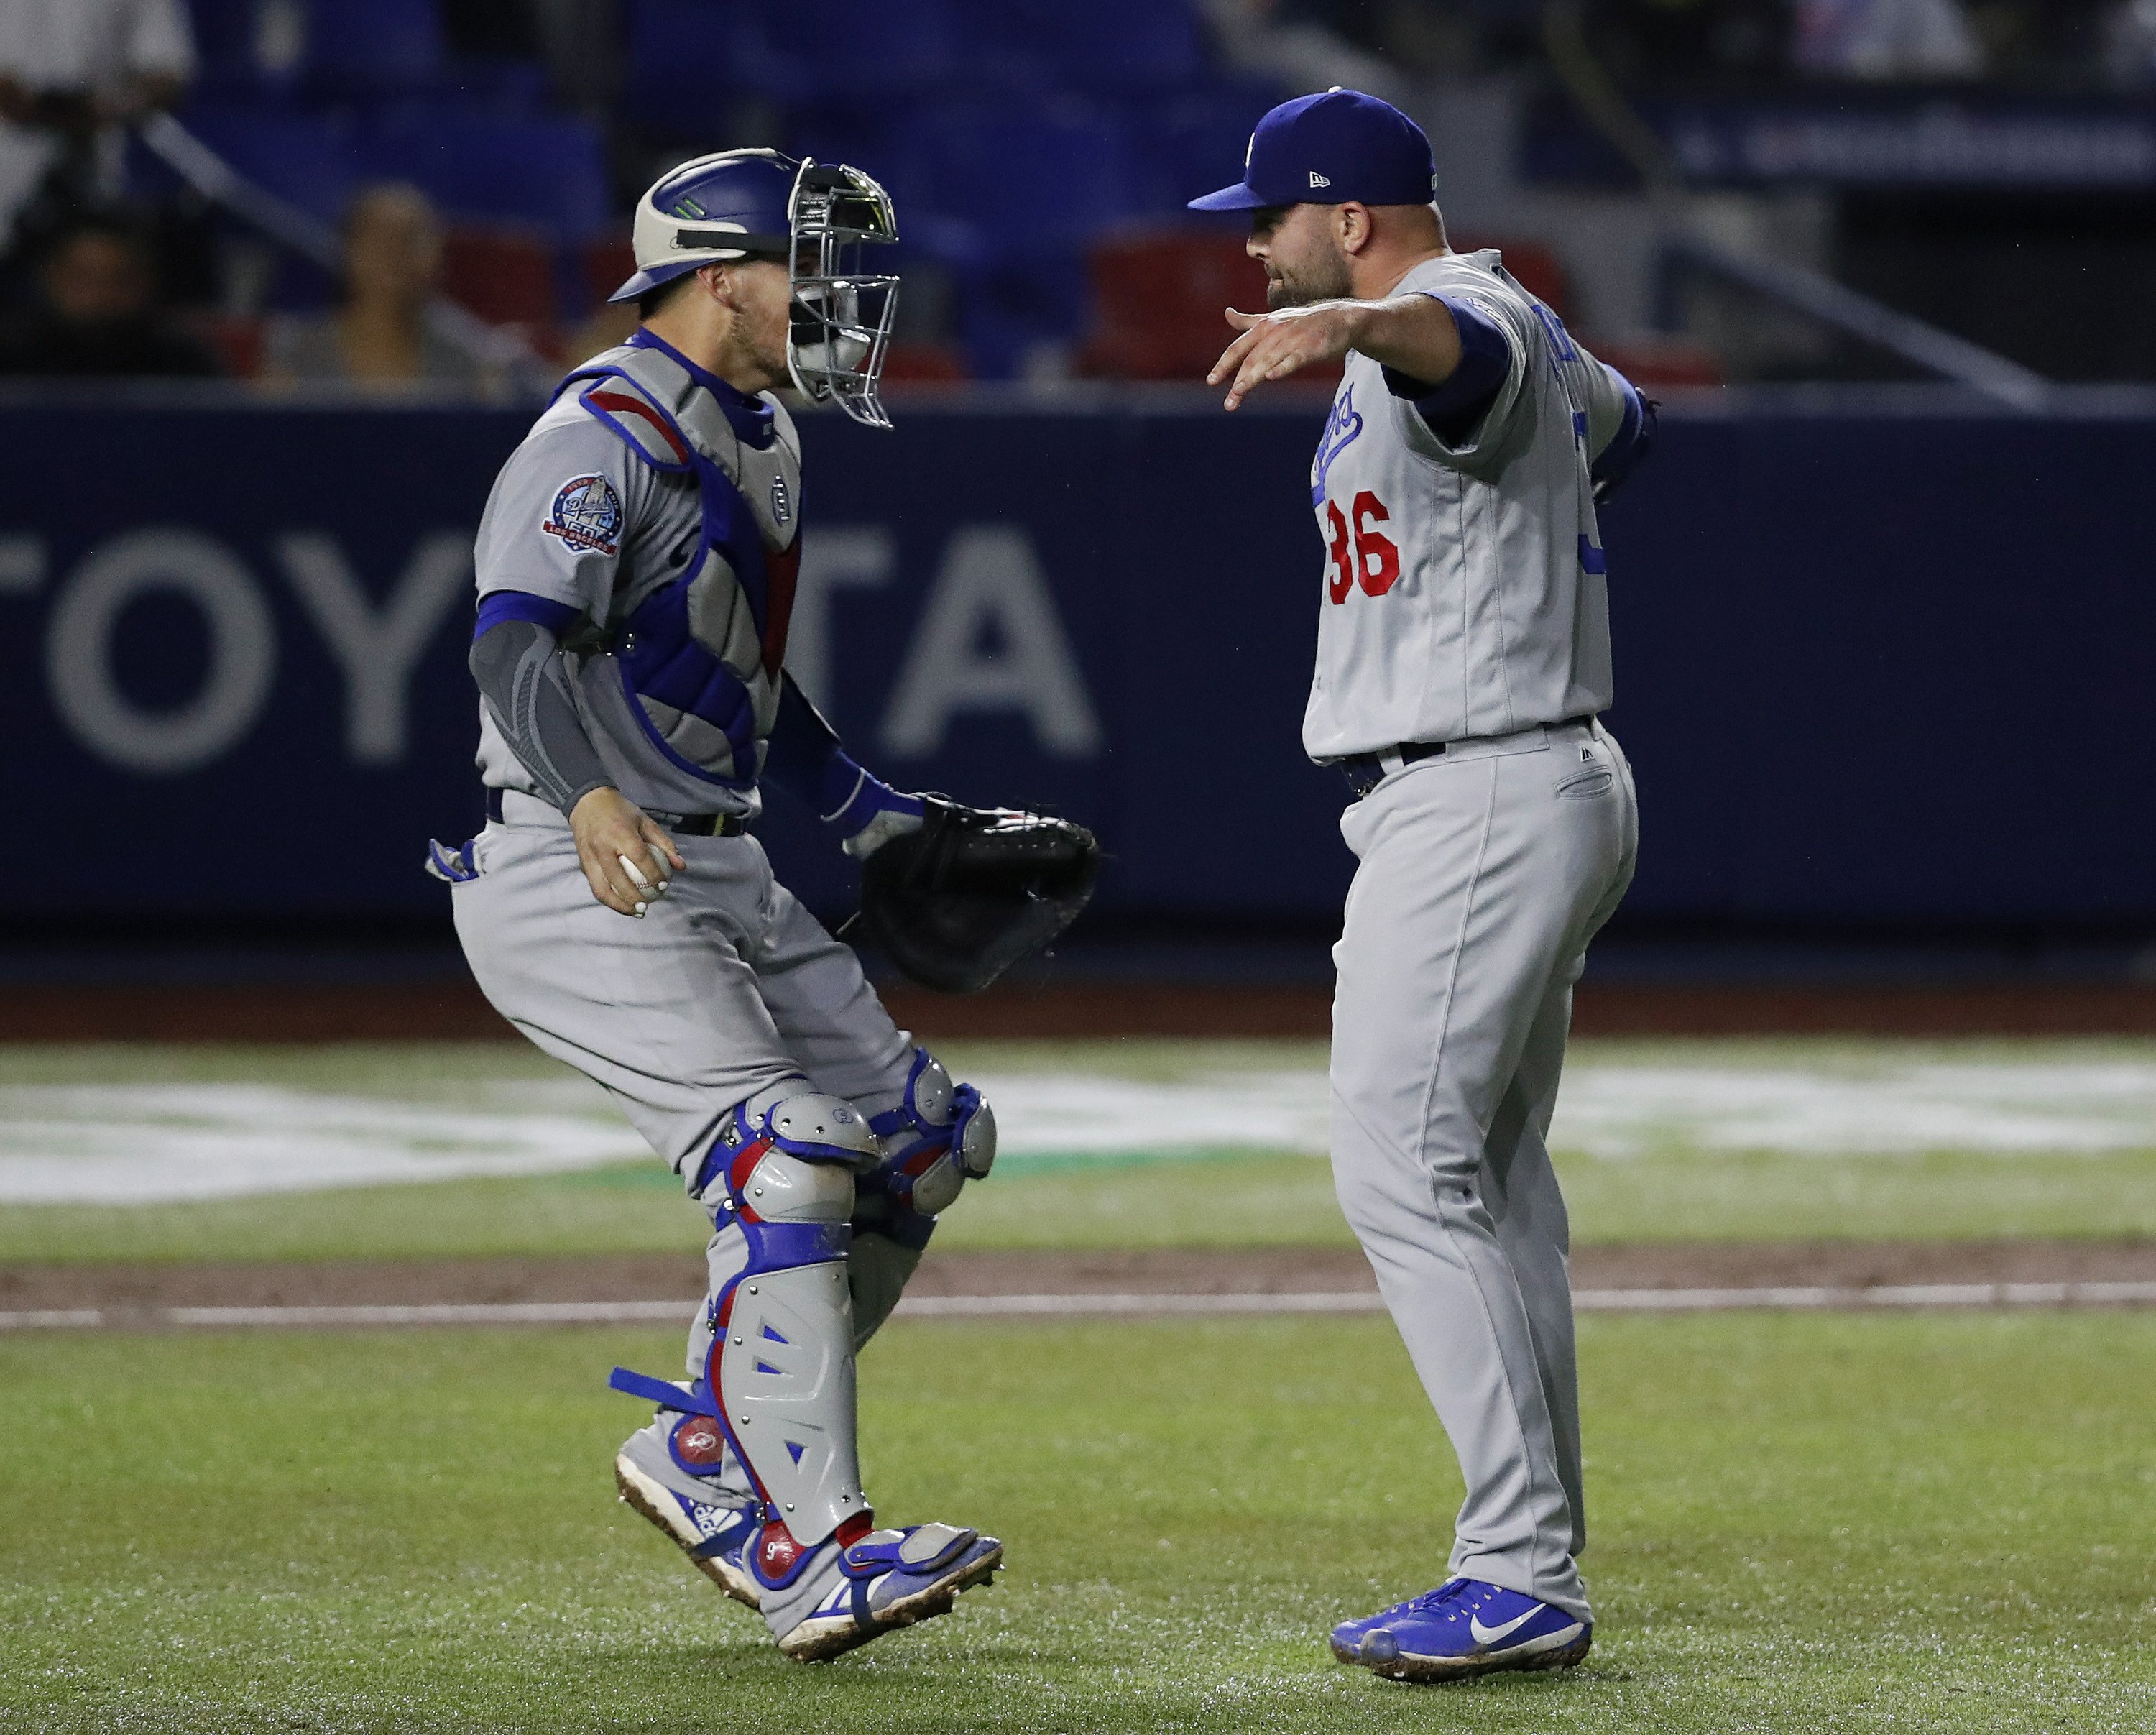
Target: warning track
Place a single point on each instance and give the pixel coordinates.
(636, 1290)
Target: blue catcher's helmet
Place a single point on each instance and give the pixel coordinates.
(813, 217)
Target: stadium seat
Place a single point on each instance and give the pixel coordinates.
(550, 174)
(1533, 266)
(925, 364)
(607, 262)
(503, 274)
(310, 161)
(235, 339)
(1188, 143)
(1101, 45)
(1054, 170)
(373, 48)
(869, 49)
(683, 58)
(1663, 363)
(1157, 297)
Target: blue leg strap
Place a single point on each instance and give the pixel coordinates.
(665, 1393)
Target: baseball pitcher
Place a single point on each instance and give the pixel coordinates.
(1463, 657)
(636, 565)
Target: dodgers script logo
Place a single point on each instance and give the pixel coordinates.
(1341, 427)
(587, 515)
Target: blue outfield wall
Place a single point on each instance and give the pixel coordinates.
(1884, 669)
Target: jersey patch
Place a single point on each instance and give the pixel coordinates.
(587, 515)
(782, 507)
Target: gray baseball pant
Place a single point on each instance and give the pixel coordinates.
(726, 986)
(1484, 873)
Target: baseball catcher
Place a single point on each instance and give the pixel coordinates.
(636, 567)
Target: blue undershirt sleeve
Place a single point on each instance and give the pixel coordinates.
(1628, 447)
(1453, 406)
(805, 758)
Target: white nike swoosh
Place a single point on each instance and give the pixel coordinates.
(1490, 1634)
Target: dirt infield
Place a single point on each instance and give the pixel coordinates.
(455, 1010)
(120, 1290)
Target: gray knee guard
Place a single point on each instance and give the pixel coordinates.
(940, 1136)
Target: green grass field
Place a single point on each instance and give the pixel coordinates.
(1799, 1524)
(1685, 1177)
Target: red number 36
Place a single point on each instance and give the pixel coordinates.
(1362, 556)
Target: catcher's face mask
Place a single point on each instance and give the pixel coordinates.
(841, 315)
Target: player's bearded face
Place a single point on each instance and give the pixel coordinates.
(1302, 256)
(765, 292)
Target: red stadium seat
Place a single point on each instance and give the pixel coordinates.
(609, 262)
(1533, 266)
(915, 364)
(505, 274)
(1666, 362)
(1158, 296)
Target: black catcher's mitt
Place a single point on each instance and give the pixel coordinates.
(958, 902)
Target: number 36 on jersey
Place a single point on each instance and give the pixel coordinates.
(1359, 555)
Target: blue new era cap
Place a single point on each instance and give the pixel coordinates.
(1328, 149)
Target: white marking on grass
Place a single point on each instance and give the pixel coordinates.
(149, 1144)
(157, 1144)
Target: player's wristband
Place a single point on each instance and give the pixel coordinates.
(862, 797)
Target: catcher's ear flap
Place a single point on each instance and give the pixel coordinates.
(958, 902)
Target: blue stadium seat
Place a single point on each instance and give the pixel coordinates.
(550, 174)
(365, 48)
(1057, 169)
(310, 161)
(873, 48)
(1098, 45)
(1192, 142)
(683, 57)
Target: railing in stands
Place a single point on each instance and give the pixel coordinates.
(1808, 292)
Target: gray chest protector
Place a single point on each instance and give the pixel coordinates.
(700, 657)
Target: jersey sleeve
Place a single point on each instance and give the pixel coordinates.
(1468, 418)
(559, 517)
(1620, 422)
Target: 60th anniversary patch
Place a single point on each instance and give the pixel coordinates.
(587, 515)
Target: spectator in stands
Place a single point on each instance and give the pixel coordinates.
(1887, 40)
(378, 334)
(72, 73)
(98, 313)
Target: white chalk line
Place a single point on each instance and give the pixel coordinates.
(1786, 1298)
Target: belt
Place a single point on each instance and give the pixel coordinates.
(687, 825)
(1364, 771)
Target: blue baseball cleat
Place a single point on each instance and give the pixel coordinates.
(857, 1591)
(1464, 1627)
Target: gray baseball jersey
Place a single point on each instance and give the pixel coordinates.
(1464, 592)
(660, 510)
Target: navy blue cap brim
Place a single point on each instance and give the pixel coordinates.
(653, 275)
(1241, 197)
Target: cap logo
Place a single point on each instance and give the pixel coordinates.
(1318, 180)
(1249, 150)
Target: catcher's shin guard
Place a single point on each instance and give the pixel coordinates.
(779, 1376)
